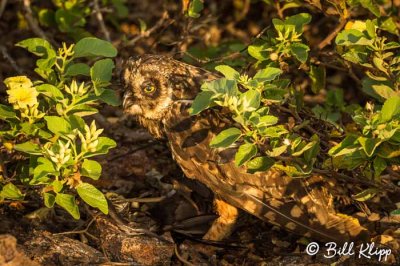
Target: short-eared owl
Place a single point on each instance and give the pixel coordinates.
(159, 91)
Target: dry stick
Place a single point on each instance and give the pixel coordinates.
(180, 258)
(3, 4)
(33, 23)
(12, 62)
(148, 32)
(357, 180)
(229, 56)
(99, 17)
(332, 35)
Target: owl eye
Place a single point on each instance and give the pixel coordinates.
(149, 89)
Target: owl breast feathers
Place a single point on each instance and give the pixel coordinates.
(160, 90)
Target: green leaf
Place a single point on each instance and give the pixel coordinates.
(228, 72)
(262, 163)
(388, 24)
(58, 125)
(50, 91)
(40, 173)
(221, 86)
(292, 170)
(101, 73)
(92, 196)
(226, 138)
(195, 8)
(57, 185)
(380, 90)
(257, 51)
(371, 6)
(49, 199)
(104, 145)
(28, 147)
(369, 145)
(388, 151)
(77, 69)
(277, 151)
(311, 153)
(390, 108)
(349, 141)
(202, 101)
(42, 48)
(395, 212)
(91, 46)
(6, 112)
(299, 20)
(250, 100)
(380, 64)
(110, 97)
(76, 122)
(274, 132)
(279, 25)
(300, 51)
(365, 194)
(379, 166)
(267, 74)
(91, 169)
(351, 37)
(37, 46)
(318, 78)
(245, 153)
(303, 148)
(267, 120)
(10, 191)
(82, 110)
(67, 201)
(46, 17)
(70, 21)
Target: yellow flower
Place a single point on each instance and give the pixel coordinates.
(356, 25)
(18, 82)
(21, 91)
(23, 97)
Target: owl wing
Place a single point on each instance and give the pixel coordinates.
(301, 205)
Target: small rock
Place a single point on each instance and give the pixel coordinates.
(9, 254)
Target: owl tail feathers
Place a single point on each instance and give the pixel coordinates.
(317, 222)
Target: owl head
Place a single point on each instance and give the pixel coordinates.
(152, 83)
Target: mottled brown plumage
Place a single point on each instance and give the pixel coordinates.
(303, 206)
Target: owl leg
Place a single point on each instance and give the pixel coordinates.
(223, 226)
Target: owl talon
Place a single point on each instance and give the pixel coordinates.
(223, 226)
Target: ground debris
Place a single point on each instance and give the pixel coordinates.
(10, 255)
(134, 243)
(53, 249)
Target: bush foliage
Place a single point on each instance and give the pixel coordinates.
(45, 122)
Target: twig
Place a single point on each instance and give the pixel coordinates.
(3, 168)
(180, 258)
(333, 34)
(83, 231)
(148, 200)
(33, 23)
(229, 56)
(3, 4)
(278, 9)
(99, 17)
(148, 32)
(12, 62)
(356, 180)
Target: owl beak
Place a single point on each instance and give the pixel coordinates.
(129, 106)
